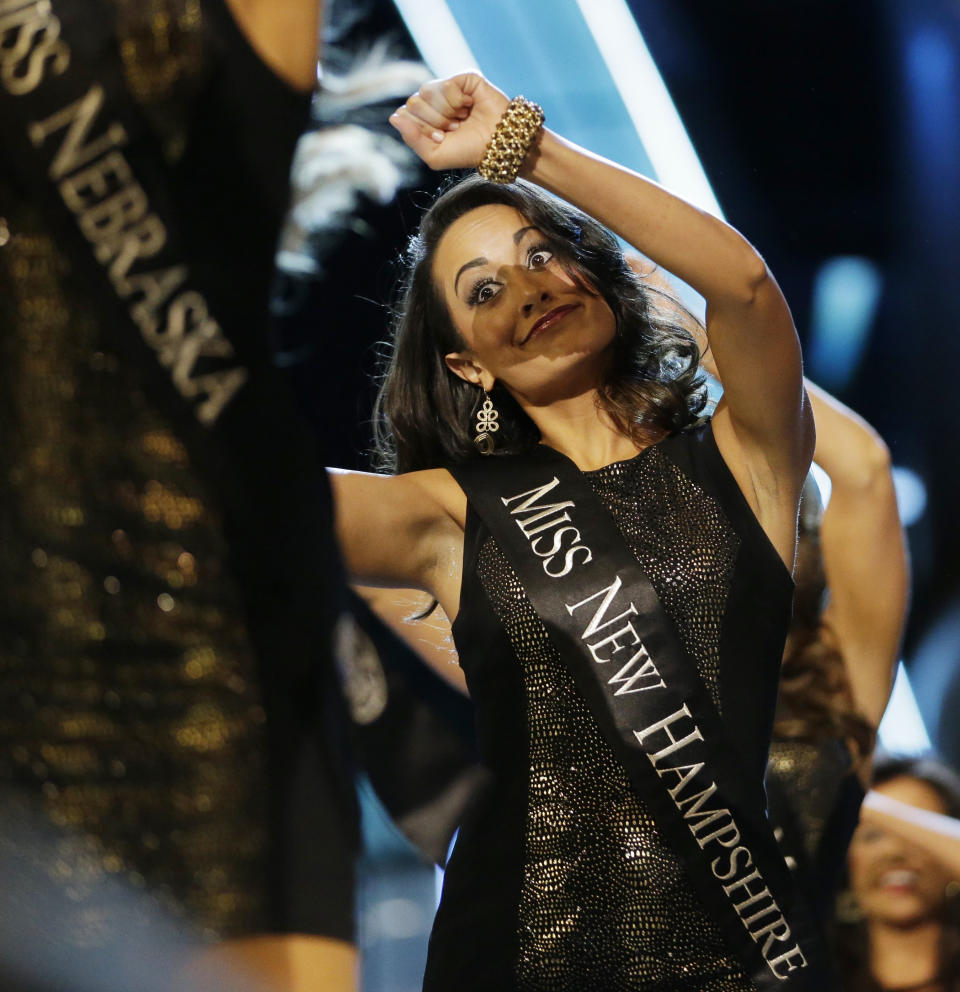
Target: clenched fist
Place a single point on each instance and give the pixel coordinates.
(448, 122)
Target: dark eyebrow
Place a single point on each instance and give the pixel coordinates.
(468, 265)
(517, 238)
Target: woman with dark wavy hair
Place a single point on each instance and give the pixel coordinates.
(620, 837)
(649, 385)
(900, 926)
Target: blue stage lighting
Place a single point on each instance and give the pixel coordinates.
(846, 294)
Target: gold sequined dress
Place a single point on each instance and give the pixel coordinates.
(560, 880)
(136, 718)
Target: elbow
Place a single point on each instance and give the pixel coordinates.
(753, 281)
(877, 458)
(759, 279)
(877, 466)
(868, 469)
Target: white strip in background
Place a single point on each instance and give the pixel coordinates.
(436, 33)
(648, 103)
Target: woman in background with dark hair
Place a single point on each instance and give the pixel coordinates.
(900, 926)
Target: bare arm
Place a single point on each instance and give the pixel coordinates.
(285, 34)
(402, 531)
(763, 425)
(748, 324)
(937, 834)
(864, 551)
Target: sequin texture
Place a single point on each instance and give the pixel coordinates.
(130, 718)
(605, 902)
(811, 774)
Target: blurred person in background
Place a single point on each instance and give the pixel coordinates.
(170, 748)
(849, 611)
(898, 928)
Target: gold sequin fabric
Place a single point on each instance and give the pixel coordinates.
(605, 902)
(162, 58)
(809, 775)
(130, 715)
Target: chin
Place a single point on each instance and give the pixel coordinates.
(900, 910)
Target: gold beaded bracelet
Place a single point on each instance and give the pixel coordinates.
(511, 140)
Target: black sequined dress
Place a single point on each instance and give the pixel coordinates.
(560, 880)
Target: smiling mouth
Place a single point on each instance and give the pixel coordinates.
(898, 879)
(547, 321)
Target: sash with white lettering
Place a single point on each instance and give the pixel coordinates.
(80, 144)
(609, 627)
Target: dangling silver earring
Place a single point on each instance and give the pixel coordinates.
(487, 417)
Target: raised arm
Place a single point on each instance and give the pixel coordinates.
(763, 426)
(936, 833)
(402, 531)
(864, 551)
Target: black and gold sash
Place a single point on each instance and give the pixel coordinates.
(609, 627)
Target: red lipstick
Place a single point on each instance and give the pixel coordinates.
(548, 320)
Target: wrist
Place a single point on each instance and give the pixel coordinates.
(512, 140)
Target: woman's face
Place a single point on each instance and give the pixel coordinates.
(896, 882)
(527, 323)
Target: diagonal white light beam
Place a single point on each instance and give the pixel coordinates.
(902, 730)
(648, 103)
(438, 36)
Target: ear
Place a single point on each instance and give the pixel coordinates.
(462, 364)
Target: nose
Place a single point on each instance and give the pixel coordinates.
(534, 293)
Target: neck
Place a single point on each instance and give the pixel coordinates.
(576, 427)
(901, 957)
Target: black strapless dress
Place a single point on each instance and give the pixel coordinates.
(560, 880)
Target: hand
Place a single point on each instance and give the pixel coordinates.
(448, 122)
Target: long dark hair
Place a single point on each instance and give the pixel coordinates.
(851, 937)
(424, 415)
